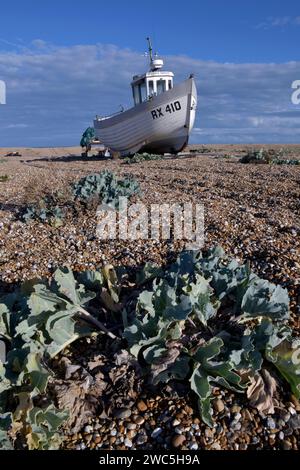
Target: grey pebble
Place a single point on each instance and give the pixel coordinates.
(193, 446)
(216, 446)
(131, 426)
(179, 430)
(165, 419)
(208, 433)
(236, 426)
(113, 432)
(243, 446)
(141, 439)
(288, 431)
(270, 423)
(219, 428)
(89, 429)
(237, 416)
(284, 415)
(294, 422)
(281, 435)
(281, 423)
(292, 410)
(156, 433)
(122, 413)
(128, 442)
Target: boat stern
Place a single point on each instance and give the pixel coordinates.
(192, 106)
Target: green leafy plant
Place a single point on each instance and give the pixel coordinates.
(142, 157)
(105, 187)
(269, 156)
(200, 150)
(47, 211)
(259, 156)
(205, 320)
(37, 322)
(286, 162)
(4, 178)
(211, 321)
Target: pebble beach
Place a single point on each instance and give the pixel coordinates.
(252, 211)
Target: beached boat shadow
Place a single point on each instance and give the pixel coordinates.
(69, 158)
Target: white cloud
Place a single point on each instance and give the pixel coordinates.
(16, 126)
(279, 22)
(256, 121)
(39, 43)
(58, 90)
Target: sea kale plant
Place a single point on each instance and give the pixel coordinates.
(104, 187)
(37, 322)
(47, 211)
(142, 157)
(204, 320)
(210, 321)
(269, 156)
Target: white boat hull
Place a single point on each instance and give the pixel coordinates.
(160, 125)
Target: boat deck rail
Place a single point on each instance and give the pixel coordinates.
(102, 118)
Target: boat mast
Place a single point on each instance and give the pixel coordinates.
(150, 50)
(155, 62)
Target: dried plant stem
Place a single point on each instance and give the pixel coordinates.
(88, 317)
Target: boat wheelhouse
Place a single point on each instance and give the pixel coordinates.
(152, 83)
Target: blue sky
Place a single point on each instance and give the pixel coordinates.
(64, 61)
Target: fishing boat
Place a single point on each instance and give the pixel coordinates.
(161, 119)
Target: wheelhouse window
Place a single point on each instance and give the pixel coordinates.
(147, 86)
(136, 94)
(161, 86)
(150, 88)
(143, 92)
(139, 92)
